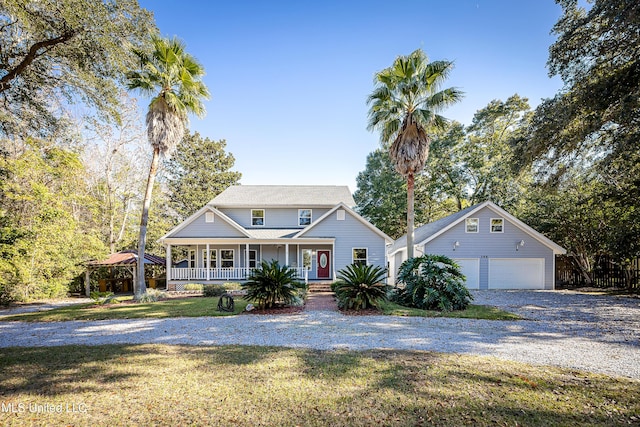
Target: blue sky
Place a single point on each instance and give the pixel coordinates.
(289, 79)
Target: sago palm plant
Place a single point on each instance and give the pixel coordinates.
(433, 282)
(360, 287)
(271, 283)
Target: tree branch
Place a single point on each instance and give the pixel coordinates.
(32, 55)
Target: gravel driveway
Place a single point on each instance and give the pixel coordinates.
(567, 329)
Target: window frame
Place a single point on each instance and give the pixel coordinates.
(491, 230)
(255, 258)
(309, 267)
(466, 225)
(213, 258)
(300, 217)
(192, 258)
(355, 260)
(223, 259)
(254, 217)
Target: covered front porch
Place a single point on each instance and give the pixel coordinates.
(222, 260)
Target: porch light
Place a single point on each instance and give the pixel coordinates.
(455, 245)
(519, 244)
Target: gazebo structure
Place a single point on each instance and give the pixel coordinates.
(124, 259)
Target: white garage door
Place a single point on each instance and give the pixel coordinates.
(471, 269)
(522, 273)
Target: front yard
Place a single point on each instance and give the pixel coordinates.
(231, 385)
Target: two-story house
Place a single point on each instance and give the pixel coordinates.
(313, 229)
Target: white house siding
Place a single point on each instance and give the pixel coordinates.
(486, 246)
(274, 217)
(350, 234)
(200, 228)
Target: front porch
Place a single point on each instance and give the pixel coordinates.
(205, 275)
(210, 261)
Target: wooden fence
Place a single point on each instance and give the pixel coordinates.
(606, 273)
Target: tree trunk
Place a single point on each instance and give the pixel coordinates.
(141, 288)
(410, 214)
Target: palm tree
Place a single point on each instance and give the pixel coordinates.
(173, 78)
(404, 107)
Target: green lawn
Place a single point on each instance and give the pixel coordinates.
(472, 312)
(165, 385)
(199, 306)
(176, 307)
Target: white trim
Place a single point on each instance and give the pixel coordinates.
(197, 215)
(352, 213)
(491, 225)
(557, 249)
(209, 217)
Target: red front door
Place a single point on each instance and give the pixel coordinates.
(324, 264)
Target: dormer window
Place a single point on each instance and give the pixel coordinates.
(257, 217)
(304, 216)
(497, 225)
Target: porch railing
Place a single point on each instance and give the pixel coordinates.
(236, 273)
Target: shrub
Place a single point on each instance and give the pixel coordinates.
(213, 290)
(360, 287)
(433, 282)
(152, 295)
(271, 283)
(193, 287)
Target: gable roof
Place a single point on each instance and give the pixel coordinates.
(302, 196)
(352, 213)
(196, 215)
(428, 232)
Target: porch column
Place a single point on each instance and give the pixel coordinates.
(87, 284)
(246, 259)
(286, 254)
(208, 263)
(168, 265)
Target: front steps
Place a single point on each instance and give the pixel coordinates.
(320, 286)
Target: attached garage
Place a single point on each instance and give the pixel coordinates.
(516, 273)
(471, 269)
(494, 249)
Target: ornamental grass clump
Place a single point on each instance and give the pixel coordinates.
(271, 284)
(152, 295)
(360, 287)
(432, 282)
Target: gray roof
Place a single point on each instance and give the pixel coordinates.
(424, 232)
(258, 196)
(272, 233)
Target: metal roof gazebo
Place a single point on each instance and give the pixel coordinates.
(127, 259)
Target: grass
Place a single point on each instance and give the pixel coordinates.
(472, 312)
(246, 386)
(176, 307)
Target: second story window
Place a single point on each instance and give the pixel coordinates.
(304, 216)
(257, 216)
(497, 225)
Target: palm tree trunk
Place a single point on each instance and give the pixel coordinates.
(410, 214)
(141, 288)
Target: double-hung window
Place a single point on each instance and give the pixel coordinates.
(304, 216)
(360, 256)
(471, 225)
(257, 216)
(497, 225)
(226, 258)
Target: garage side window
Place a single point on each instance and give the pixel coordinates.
(497, 225)
(471, 225)
(360, 256)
